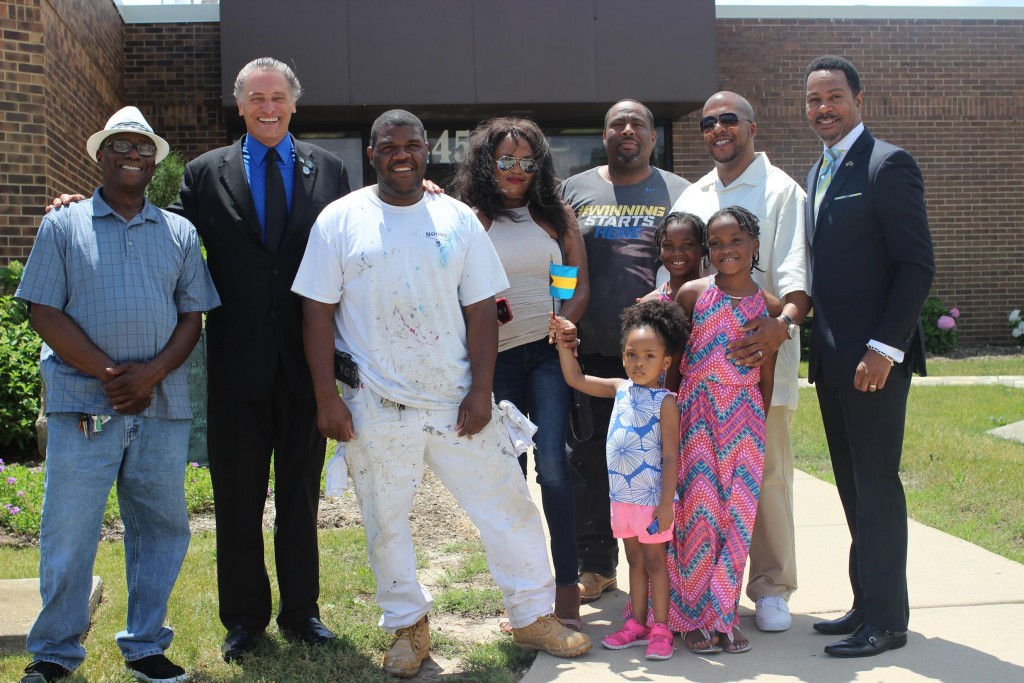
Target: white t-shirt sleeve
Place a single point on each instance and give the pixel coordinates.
(320, 274)
(483, 275)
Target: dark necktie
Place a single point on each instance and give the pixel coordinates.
(275, 211)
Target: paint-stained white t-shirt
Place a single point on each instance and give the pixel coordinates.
(400, 276)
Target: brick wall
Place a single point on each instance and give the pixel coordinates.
(84, 60)
(61, 80)
(172, 73)
(22, 135)
(950, 92)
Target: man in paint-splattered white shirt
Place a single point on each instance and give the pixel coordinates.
(405, 283)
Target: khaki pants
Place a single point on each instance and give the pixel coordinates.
(773, 545)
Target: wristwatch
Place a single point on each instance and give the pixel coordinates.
(793, 330)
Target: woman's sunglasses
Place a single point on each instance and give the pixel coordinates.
(508, 163)
(726, 120)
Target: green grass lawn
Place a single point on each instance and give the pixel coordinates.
(950, 367)
(957, 478)
(346, 604)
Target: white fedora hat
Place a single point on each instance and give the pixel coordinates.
(127, 120)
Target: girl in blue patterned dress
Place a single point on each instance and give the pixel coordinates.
(642, 459)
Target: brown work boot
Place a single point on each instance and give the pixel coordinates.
(548, 634)
(592, 585)
(410, 647)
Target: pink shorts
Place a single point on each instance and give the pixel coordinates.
(631, 521)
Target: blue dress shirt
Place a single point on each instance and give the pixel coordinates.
(254, 155)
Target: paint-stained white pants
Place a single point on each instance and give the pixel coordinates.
(386, 462)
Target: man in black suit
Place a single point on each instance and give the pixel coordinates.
(254, 220)
(872, 266)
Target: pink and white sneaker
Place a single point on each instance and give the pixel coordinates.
(659, 645)
(631, 634)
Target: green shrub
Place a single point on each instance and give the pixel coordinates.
(163, 188)
(10, 277)
(21, 497)
(939, 326)
(19, 379)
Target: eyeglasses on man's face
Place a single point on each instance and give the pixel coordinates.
(146, 149)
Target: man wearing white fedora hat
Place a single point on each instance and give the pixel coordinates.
(116, 288)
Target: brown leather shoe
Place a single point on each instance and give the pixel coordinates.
(551, 636)
(592, 585)
(410, 647)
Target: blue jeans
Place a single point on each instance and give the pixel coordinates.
(146, 457)
(530, 376)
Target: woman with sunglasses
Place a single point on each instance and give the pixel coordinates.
(507, 176)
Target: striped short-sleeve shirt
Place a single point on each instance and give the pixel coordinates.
(124, 284)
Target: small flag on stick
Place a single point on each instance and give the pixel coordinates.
(563, 280)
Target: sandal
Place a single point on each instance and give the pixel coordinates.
(505, 626)
(712, 647)
(731, 646)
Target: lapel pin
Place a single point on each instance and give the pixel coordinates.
(305, 170)
(848, 163)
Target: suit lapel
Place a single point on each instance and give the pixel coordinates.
(859, 154)
(302, 192)
(232, 177)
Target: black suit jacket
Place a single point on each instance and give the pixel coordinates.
(260, 318)
(871, 260)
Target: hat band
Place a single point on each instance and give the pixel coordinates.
(131, 125)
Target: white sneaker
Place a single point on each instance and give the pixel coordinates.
(773, 614)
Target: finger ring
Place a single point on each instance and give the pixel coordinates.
(760, 353)
(872, 386)
(578, 341)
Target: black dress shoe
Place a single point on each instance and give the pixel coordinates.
(867, 641)
(239, 642)
(309, 631)
(848, 623)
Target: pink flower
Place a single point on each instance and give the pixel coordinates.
(945, 323)
(269, 490)
(954, 312)
(11, 480)
(20, 494)
(15, 509)
(194, 465)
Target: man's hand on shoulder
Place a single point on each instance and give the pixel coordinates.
(64, 200)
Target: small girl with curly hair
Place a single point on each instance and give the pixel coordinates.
(642, 459)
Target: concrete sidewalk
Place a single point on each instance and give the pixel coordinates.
(966, 621)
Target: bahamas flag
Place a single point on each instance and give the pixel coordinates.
(563, 280)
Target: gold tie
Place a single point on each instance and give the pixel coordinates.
(828, 168)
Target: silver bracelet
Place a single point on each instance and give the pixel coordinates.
(892, 361)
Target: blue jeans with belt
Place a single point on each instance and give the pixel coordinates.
(530, 376)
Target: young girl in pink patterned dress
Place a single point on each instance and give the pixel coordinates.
(721, 436)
